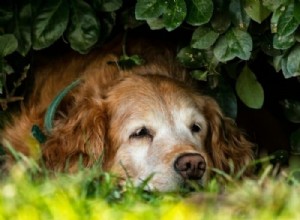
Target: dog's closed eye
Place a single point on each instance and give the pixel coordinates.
(142, 132)
(195, 128)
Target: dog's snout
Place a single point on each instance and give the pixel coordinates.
(190, 166)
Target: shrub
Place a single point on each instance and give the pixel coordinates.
(227, 39)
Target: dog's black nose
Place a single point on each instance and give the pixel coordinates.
(190, 166)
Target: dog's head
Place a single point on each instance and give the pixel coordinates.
(150, 126)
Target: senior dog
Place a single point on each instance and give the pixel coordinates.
(141, 121)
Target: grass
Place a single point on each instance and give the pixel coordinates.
(33, 193)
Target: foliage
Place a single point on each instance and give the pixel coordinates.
(223, 35)
(33, 193)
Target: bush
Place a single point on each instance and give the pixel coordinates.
(228, 39)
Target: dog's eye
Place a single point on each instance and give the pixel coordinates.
(195, 128)
(141, 133)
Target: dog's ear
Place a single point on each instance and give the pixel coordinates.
(227, 146)
(77, 137)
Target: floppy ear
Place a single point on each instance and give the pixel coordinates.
(225, 143)
(77, 138)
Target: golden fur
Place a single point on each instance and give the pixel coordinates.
(97, 118)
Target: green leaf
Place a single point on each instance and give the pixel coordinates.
(84, 28)
(272, 5)
(5, 67)
(295, 143)
(191, 58)
(199, 11)
(235, 43)
(50, 23)
(155, 23)
(256, 10)
(199, 75)
(293, 63)
(220, 21)
(8, 44)
(277, 62)
(127, 62)
(297, 11)
(275, 19)
(266, 45)
(283, 43)
(225, 96)
(107, 5)
(22, 27)
(287, 23)
(128, 19)
(284, 68)
(238, 15)
(174, 14)
(249, 89)
(203, 38)
(149, 9)
(291, 110)
(6, 15)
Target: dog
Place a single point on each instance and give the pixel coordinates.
(141, 122)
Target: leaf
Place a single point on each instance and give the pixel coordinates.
(191, 58)
(199, 75)
(6, 14)
(272, 5)
(297, 10)
(8, 44)
(226, 98)
(293, 63)
(174, 14)
(249, 89)
(266, 44)
(156, 23)
(283, 43)
(203, 38)
(149, 9)
(127, 62)
(5, 67)
(22, 27)
(238, 15)
(199, 11)
(128, 19)
(287, 23)
(291, 110)
(295, 143)
(274, 20)
(50, 23)
(220, 21)
(84, 28)
(235, 43)
(256, 10)
(277, 62)
(107, 5)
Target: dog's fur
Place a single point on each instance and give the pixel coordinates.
(104, 115)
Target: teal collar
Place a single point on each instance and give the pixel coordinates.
(50, 113)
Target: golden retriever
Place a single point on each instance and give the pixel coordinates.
(143, 121)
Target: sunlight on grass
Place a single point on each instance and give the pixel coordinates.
(90, 194)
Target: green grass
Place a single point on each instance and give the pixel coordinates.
(33, 193)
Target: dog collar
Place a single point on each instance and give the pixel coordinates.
(49, 116)
(50, 113)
